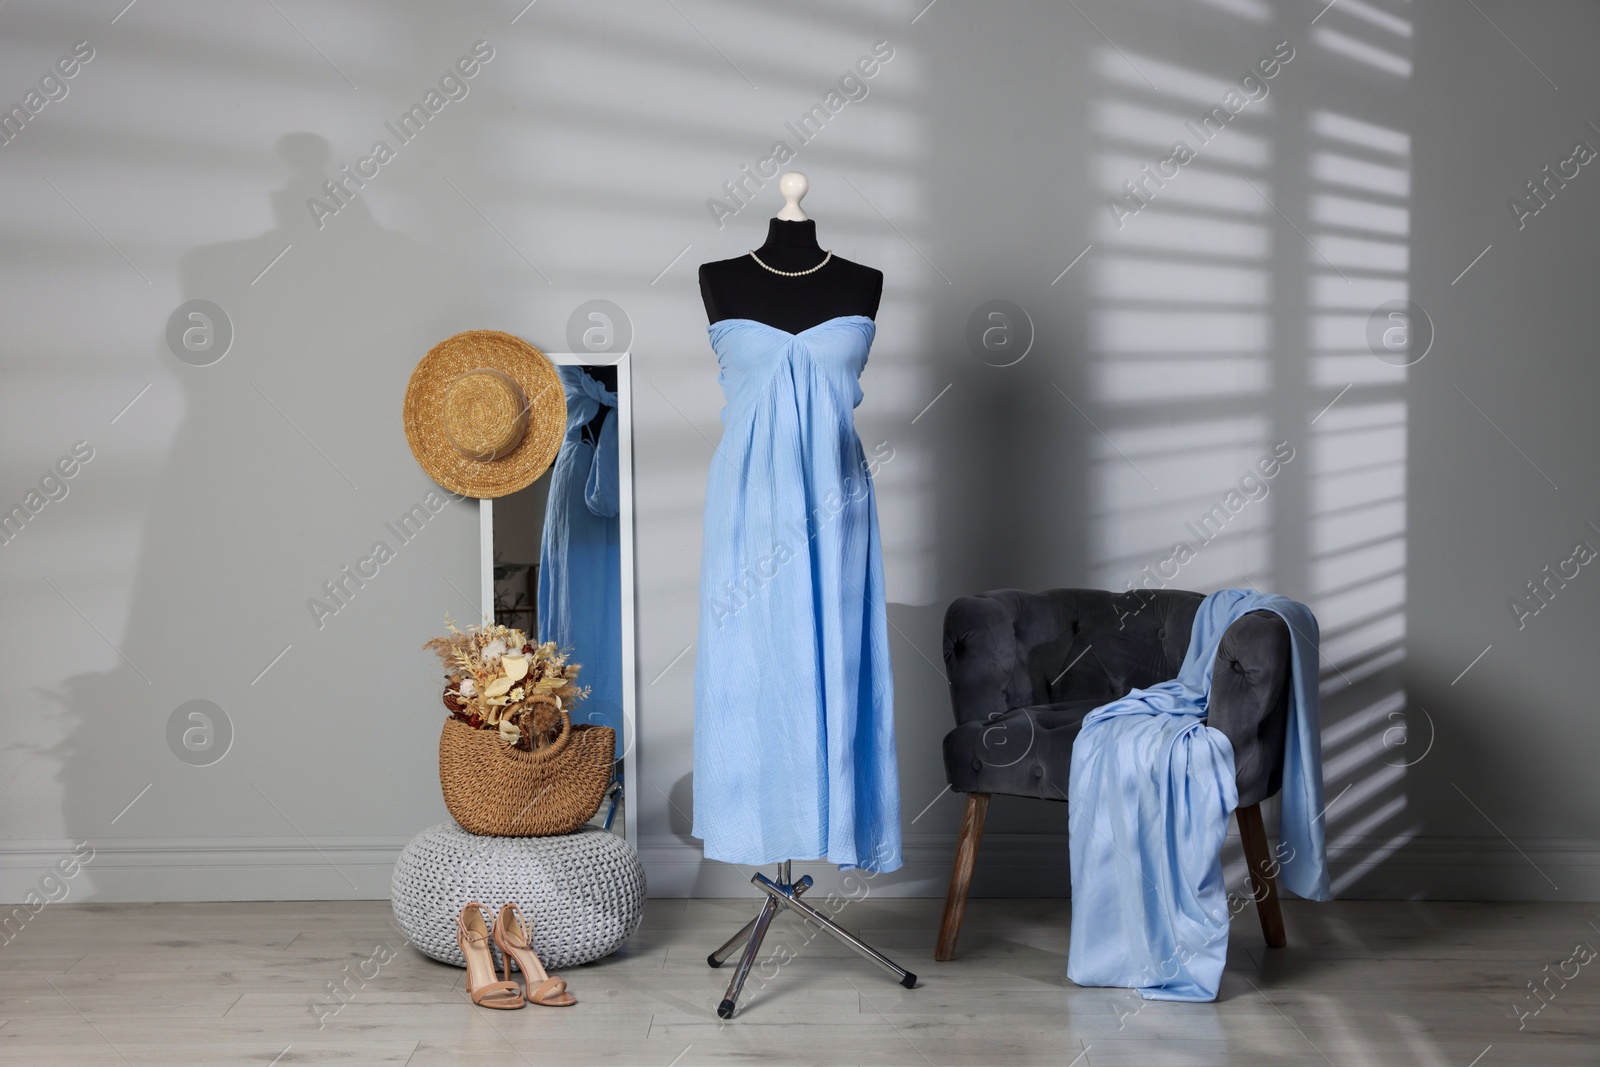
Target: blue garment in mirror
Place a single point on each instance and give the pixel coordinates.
(580, 558)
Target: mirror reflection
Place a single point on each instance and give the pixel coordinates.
(558, 555)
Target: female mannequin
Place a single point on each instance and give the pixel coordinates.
(794, 750)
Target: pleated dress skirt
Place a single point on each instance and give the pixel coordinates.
(794, 751)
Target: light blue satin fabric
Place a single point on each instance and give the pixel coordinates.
(1151, 790)
(794, 751)
(580, 557)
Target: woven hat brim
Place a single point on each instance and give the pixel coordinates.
(424, 405)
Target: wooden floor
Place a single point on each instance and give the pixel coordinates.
(1361, 983)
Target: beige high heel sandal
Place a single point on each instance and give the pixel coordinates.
(473, 937)
(514, 935)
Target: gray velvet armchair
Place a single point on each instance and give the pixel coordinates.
(1025, 668)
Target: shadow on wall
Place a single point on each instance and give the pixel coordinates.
(324, 327)
(1252, 222)
(1222, 303)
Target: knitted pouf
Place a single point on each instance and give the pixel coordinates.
(582, 892)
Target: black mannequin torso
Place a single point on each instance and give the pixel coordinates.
(742, 289)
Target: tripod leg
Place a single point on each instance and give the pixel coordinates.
(719, 957)
(777, 896)
(758, 933)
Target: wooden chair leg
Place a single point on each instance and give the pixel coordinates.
(955, 901)
(1263, 874)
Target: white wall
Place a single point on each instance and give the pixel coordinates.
(1222, 318)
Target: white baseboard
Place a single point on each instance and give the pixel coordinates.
(1035, 865)
(170, 869)
(1009, 865)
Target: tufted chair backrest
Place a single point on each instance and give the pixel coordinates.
(1009, 648)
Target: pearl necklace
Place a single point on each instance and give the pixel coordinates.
(793, 273)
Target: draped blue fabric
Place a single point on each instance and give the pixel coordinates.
(1150, 793)
(580, 558)
(794, 752)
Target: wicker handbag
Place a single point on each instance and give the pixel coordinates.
(495, 789)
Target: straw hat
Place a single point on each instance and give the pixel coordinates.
(485, 413)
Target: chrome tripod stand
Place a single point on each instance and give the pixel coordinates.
(785, 893)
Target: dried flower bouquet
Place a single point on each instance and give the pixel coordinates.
(499, 680)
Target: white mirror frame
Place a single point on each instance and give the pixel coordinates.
(624, 365)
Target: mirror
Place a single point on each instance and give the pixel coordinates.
(557, 558)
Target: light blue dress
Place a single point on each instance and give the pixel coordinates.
(794, 754)
(1150, 793)
(580, 556)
